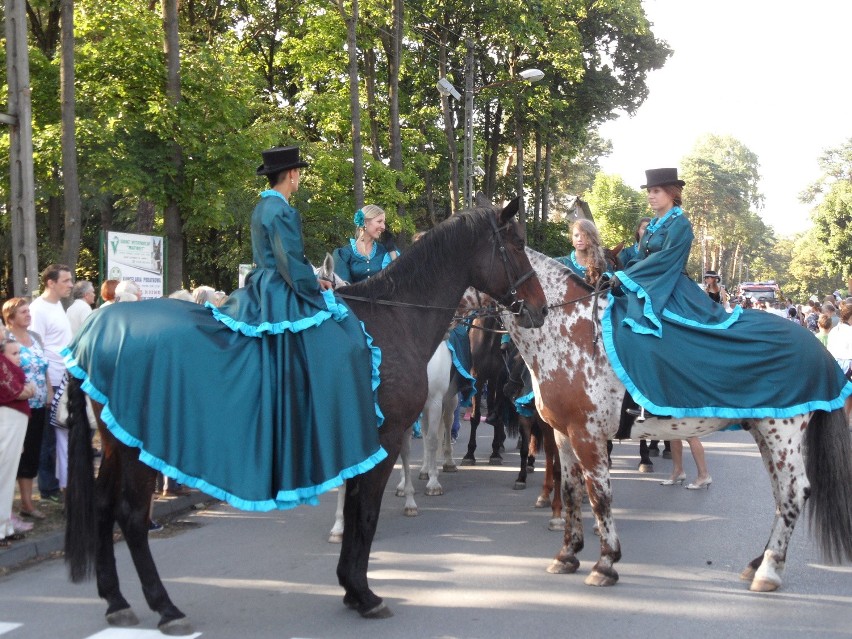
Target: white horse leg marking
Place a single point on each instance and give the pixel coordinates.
(336, 534)
(780, 444)
(405, 488)
(451, 402)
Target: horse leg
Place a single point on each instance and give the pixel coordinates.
(335, 535)
(781, 451)
(432, 418)
(566, 562)
(405, 488)
(361, 515)
(645, 463)
(119, 612)
(137, 488)
(591, 452)
(524, 427)
(557, 521)
(451, 403)
(475, 416)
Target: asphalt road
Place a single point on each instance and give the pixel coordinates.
(472, 566)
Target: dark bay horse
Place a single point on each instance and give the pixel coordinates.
(407, 309)
(808, 457)
(489, 368)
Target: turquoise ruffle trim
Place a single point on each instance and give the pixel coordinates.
(464, 373)
(336, 311)
(285, 499)
(375, 377)
(523, 403)
(647, 309)
(721, 412)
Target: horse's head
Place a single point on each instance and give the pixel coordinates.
(326, 272)
(501, 268)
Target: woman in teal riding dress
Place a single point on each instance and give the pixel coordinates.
(630, 254)
(364, 256)
(266, 401)
(660, 325)
(587, 251)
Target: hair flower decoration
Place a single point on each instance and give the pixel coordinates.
(359, 218)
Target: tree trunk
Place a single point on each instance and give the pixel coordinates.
(449, 129)
(54, 215)
(394, 59)
(145, 213)
(351, 21)
(545, 188)
(70, 179)
(372, 112)
(171, 212)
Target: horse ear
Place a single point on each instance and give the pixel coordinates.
(510, 211)
(328, 263)
(480, 200)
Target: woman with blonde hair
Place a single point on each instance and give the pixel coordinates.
(587, 259)
(365, 255)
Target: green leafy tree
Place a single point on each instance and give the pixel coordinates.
(616, 208)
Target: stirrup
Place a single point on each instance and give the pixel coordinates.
(639, 414)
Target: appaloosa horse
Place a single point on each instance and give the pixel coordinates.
(407, 309)
(808, 457)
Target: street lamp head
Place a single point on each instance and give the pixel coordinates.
(445, 87)
(531, 75)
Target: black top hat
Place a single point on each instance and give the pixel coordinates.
(661, 177)
(280, 158)
(713, 274)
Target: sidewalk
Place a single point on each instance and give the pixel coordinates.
(39, 546)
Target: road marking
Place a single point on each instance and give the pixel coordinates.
(132, 633)
(8, 627)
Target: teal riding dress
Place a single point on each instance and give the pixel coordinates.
(353, 267)
(681, 354)
(265, 402)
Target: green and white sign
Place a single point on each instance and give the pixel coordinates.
(136, 257)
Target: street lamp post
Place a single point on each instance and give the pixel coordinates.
(445, 87)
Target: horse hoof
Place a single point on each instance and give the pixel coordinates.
(556, 524)
(646, 468)
(379, 612)
(542, 502)
(748, 574)
(467, 461)
(563, 567)
(423, 476)
(123, 618)
(495, 461)
(599, 579)
(450, 468)
(434, 492)
(176, 627)
(763, 585)
(530, 469)
(335, 538)
(520, 485)
(410, 512)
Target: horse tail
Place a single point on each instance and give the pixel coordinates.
(828, 460)
(535, 432)
(80, 527)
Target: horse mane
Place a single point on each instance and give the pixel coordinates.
(419, 265)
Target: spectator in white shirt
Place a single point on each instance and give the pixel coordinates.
(50, 321)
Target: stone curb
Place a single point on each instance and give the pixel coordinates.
(25, 550)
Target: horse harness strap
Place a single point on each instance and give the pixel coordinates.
(510, 300)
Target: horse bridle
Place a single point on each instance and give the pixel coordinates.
(510, 300)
